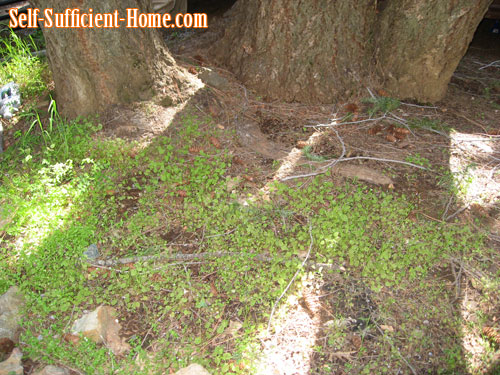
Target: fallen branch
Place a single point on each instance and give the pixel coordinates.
(172, 257)
(335, 124)
(330, 165)
(494, 63)
(182, 258)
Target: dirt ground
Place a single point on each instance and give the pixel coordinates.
(456, 140)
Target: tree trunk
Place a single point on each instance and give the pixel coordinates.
(420, 44)
(307, 51)
(94, 68)
(324, 50)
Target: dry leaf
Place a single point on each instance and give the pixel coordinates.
(301, 144)
(215, 142)
(375, 130)
(182, 193)
(492, 334)
(72, 339)
(351, 107)
(382, 92)
(195, 150)
(213, 110)
(391, 138)
(221, 127)
(213, 289)
(399, 136)
(199, 59)
(404, 144)
(356, 342)
(387, 328)
(248, 178)
(193, 70)
(401, 130)
(347, 356)
(237, 160)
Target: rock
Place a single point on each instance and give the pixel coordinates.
(193, 369)
(52, 370)
(364, 174)
(10, 100)
(101, 326)
(92, 252)
(211, 78)
(11, 304)
(12, 366)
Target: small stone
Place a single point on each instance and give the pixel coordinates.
(193, 369)
(10, 305)
(10, 100)
(92, 252)
(52, 370)
(426, 322)
(12, 366)
(211, 78)
(101, 326)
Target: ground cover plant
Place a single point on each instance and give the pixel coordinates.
(211, 253)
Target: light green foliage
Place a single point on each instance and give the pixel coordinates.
(64, 188)
(21, 66)
(60, 199)
(427, 124)
(310, 155)
(382, 105)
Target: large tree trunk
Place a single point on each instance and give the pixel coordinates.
(95, 68)
(420, 44)
(295, 50)
(322, 50)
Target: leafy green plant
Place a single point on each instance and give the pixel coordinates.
(21, 66)
(382, 104)
(310, 155)
(427, 124)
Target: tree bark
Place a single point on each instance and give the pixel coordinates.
(420, 44)
(94, 68)
(306, 51)
(324, 50)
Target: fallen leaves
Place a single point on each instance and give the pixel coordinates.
(393, 133)
(215, 142)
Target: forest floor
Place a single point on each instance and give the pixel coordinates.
(354, 238)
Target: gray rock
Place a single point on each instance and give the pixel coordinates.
(52, 370)
(11, 304)
(193, 369)
(211, 78)
(10, 100)
(12, 366)
(92, 252)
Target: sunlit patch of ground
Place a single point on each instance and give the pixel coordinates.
(475, 162)
(287, 350)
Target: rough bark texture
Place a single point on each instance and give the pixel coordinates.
(322, 50)
(95, 68)
(420, 44)
(295, 50)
